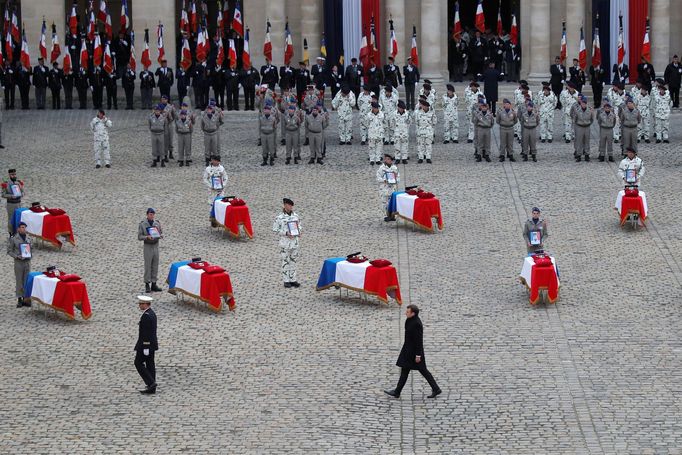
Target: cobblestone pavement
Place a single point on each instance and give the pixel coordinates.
(295, 370)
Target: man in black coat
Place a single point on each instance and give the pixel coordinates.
(182, 80)
(557, 79)
(112, 88)
(40, 76)
(67, 82)
(478, 48)
(9, 82)
(128, 83)
(302, 81)
(54, 81)
(146, 345)
(335, 80)
(411, 74)
(82, 80)
(249, 78)
(392, 74)
(24, 82)
(286, 78)
(353, 76)
(597, 76)
(268, 74)
(97, 86)
(375, 77)
(577, 75)
(164, 79)
(673, 77)
(646, 74)
(412, 354)
(620, 74)
(490, 78)
(319, 74)
(232, 88)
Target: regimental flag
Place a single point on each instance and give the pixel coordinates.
(246, 54)
(202, 45)
(125, 20)
(288, 45)
(9, 48)
(621, 41)
(132, 61)
(393, 42)
(562, 54)
(596, 45)
(237, 23)
(145, 59)
(220, 22)
(67, 65)
(84, 55)
(267, 45)
(2, 59)
(108, 62)
(499, 22)
(159, 43)
(25, 56)
(107, 27)
(43, 46)
(56, 50)
(323, 46)
(193, 22)
(582, 51)
(646, 44)
(91, 25)
(16, 33)
(232, 54)
(413, 51)
(7, 21)
(514, 34)
(373, 51)
(306, 56)
(220, 57)
(480, 18)
(102, 13)
(185, 55)
(97, 51)
(73, 20)
(184, 19)
(457, 27)
(364, 52)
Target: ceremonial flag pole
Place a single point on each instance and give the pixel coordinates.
(646, 44)
(596, 45)
(413, 52)
(393, 43)
(582, 52)
(563, 42)
(267, 45)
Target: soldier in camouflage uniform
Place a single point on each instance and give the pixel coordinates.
(568, 99)
(211, 120)
(581, 116)
(388, 101)
(365, 107)
(616, 97)
(22, 262)
(629, 120)
(403, 119)
(157, 126)
(100, 128)
(606, 119)
(546, 100)
(388, 177)
(316, 122)
(343, 102)
(292, 121)
(267, 125)
(643, 103)
(288, 226)
(309, 102)
(662, 106)
(483, 121)
(450, 118)
(471, 98)
(12, 191)
(425, 122)
(375, 133)
(184, 127)
(506, 118)
(168, 111)
(529, 139)
(520, 96)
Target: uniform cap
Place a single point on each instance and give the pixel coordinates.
(164, 97)
(375, 105)
(401, 104)
(345, 89)
(427, 86)
(530, 104)
(450, 87)
(321, 58)
(389, 88)
(545, 84)
(215, 157)
(583, 98)
(267, 107)
(388, 155)
(570, 84)
(506, 100)
(288, 201)
(607, 104)
(144, 299)
(482, 102)
(630, 149)
(183, 112)
(523, 82)
(11, 171)
(301, 62)
(535, 209)
(151, 210)
(292, 107)
(375, 96)
(211, 102)
(426, 81)
(35, 204)
(424, 103)
(21, 223)
(158, 107)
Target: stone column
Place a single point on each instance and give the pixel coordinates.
(147, 14)
(311, 28)
(660, 33)
(535, 48)
(32, 13)
(254, 18)
(575, 18)
(433, 38)
(396, 9)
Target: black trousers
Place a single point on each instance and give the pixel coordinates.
(130, 97)
(405, 372)
(82, 98)
(112, 92)
(9, 96)
(145, 367)
(249, 98)
(219, 95)
(233, 98)
(165, 91)
(182, 93)
(597, 91)
(409, 96)
(23, 93)
(556, 88)
(56, 98)
(68, 97)
(675, 96)
(97, 93)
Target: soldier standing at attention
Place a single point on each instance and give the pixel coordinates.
(112, 89)
(471, 98)
(535, 224)
(211, 120)
(267, 126)
(450, 118)
(662, 106)
(616, 97)
(375, 133)
(100, 126)
(146, 345)
(232, 89)
(546, 100)
(365, 107)
(24, 82)
(582, 120)
(569, 98)
(215, 179)
(249, 78)
(529, 121)
(128, 83)
(157, 126)
(316, 122)
(8, 81)
(483, 122)
(170, 114)
(149, 231)
(164, 77)
(147, 85)
(97, 87)
(388, 101)
(268, 74)
(40, 76)
(12, 191)
(388, 177)
(184, 127)
(644, 106)
(288, 226)
(55, 83)
(319, 75)
(425, 121)
(302, 81)
(82, 85)
(343, 102)
(606, 120)
(506, 118)
(182, 83)
(411, 74)
(19, 248)
(353, 76)
(629, 120)
(292, 120)
(392, 74)
(403, 119)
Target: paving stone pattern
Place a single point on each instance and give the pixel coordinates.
(300, 371)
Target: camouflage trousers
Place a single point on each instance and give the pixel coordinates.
(289, 257)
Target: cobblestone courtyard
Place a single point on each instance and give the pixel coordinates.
(295, 370)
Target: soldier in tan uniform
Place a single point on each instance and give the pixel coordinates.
(12, 192)
(19, 248)
(157, 126)
(506, 118)
(149, 231)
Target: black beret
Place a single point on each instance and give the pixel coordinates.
(401, 104)
(375, 105)
(450, 87)
(286, 200)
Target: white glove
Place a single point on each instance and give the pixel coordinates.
(145, 352)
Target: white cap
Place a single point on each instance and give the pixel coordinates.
(144, 299)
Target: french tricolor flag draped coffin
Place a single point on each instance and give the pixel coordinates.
(46, 224)
(380, 281)
(418, 207)
(63, 292)
(203, 281)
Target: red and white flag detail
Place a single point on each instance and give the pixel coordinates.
(582, 51)
(125, 20)
(220, 22)
(414, 54)
(514, 34)
(220, 57)
(562, 54)
(186, 56)
(159, 43)
(646, 44)
(43, 46)
(480, 18)
(25, 56)
(66, 65)
(193, 17)
(145, 59)
(102, 13)
(56, 50)
(237, 23)
(132, 61)
(97, 51)
(457, 26)
(108, 62)
(246, 54)
(16, 33)
(73, 20)
(499, 23)
(232, 54)
(202, 45)
(84, 55)
(393, 43)
(267, 44)
(596, 46)
(288, 45)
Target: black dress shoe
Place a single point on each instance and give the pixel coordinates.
(392, 393)
(307, 142)
(446, 142)
(525, 157)
(428, 160)
(587, 157)
(501, 159)
(181, 163)
(287, 161)
(272, 161)
(666, 141)
(296, 160)
(535, 159)
(264, 163)
(611, 159)
(577, 159)
(20, 302)
(658, 141)
(456, 141)
(163, 164)
(568, 141)
(108, 166)
(155, 288)
(312, 161)
(404, 161)
(97, 166)
(319, 161)
(287, 285)
(371, 163)
(487, 158)
(295, 284)
(478, 158)
(542, 140)
(512, 159)
(645, 140)
(615, 141)
(147, 287)
(469, 141)
(153, 163)
(549, 140)
(151, 390)
(435, 393)
(26, 302)
(170, 156)
(601, 159)
(187, 163)
(420, 161)
(363, 143)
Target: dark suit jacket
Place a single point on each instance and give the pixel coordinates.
(672, 75)
(414, 344)
(558, 74)
(354, 75)
(490, 79)
(147, 334)
(411, 75)
(619, 75)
